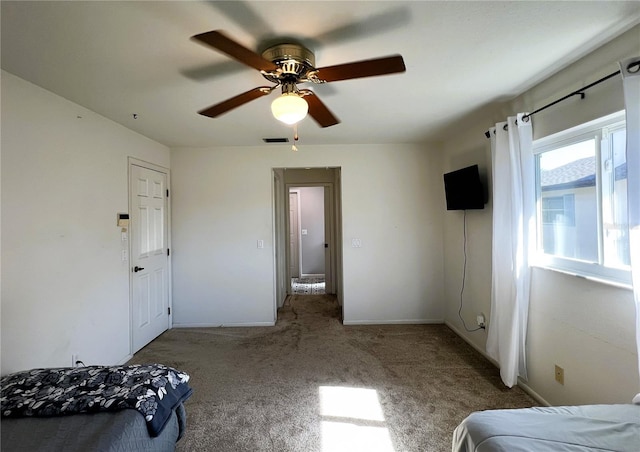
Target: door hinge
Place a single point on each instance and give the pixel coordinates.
(169, 310)
(168, 252)
(167, 192)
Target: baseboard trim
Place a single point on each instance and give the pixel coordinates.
(221, 325)
(393, 322)
(526, 388)
(521, 383)
(475, 346)
(124, 360)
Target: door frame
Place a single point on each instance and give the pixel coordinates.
(131, 161)
(288, 187)
(279, 248)
(280, 189)
(298, 232)
(330, 237)
(331, 224)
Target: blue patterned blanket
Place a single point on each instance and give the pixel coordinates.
(154, 390)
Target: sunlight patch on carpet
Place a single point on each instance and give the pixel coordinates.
(357, 403)
(352, 420)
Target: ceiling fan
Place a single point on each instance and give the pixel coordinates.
(288, 65)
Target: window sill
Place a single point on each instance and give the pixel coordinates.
(596, 279)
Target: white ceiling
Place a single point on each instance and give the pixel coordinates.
(121, 58)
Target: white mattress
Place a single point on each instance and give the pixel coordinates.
(566, 428)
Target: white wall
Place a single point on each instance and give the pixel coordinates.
(392, 198)
(585, 327)
(64, 177)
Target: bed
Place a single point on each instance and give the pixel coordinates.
(97, 408)
(564, 428)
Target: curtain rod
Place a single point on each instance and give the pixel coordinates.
(579, 92)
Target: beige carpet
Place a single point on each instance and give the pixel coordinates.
(312, 384)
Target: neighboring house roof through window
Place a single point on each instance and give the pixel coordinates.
(577, 174)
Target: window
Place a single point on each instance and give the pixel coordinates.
(581, 177)
(559, 209)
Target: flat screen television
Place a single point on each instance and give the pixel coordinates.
(463, 189)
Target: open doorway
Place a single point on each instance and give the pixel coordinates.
(308, 228)
(307, 240)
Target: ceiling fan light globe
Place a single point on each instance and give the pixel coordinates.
(289, 108)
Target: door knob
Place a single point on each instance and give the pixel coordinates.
(136, 269)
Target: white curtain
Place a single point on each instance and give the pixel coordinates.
(630, 70)
(513, 232)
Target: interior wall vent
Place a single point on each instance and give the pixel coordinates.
(275, 140)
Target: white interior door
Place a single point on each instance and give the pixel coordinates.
(149, 255)
(294, 234)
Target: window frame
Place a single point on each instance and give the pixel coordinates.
(592, 270)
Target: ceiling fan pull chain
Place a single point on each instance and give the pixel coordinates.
(295, 137)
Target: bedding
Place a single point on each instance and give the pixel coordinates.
(116, 431)
(137, 407)
(565, 428)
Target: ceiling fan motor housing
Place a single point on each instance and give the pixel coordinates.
(293, 61)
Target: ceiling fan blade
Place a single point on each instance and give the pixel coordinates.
(241, 99)
(228, 46)
(319, 111)
(244, 15)
(374, 25)
(213, 70)
(358, 69)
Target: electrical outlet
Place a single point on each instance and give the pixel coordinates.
(74, 360)
(480, 320)
(559, 374)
